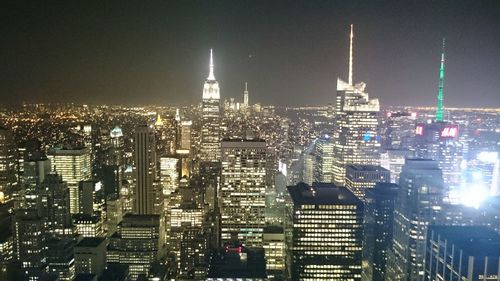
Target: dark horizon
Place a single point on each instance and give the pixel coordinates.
(290, 53)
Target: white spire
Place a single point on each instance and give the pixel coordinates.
(350, 56)
(177, 115)
(245, 95)
(211, 74)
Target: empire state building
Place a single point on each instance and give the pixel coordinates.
(210, 130)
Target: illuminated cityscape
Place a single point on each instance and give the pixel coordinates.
(122, 160)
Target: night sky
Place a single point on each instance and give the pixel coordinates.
(290, 52)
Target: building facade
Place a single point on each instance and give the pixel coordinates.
(243, 190)
(327, 233)
(210, 130)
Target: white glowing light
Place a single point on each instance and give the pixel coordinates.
(488, 156)
(474, 196)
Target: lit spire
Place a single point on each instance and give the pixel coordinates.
(177, 115)
(211, 74)
(439, 110)
(350, 55)
(245, 95)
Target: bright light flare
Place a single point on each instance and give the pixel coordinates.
(474, 196)
(488, 156)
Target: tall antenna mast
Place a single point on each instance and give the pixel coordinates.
(350, 55)
(439, 110)
(211, 74)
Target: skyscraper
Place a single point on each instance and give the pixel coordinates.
(8, 168)
(378, 222)
(137, 243)
(439, 109)
(356, 139)
(55, 204)
(210, 131)
(418, 205)
(245, 95)
(29, 243)
(243, 190)
(73, 164)
(327, 233)
(145, 171)
(324, 159)
(360, 178)
(462, 253)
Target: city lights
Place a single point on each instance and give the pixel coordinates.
(236, 140)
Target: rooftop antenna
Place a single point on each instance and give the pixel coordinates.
(439, 110)
(350, 54)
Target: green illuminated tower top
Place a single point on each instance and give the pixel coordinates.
(439, 110)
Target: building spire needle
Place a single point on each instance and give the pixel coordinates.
(350, 54)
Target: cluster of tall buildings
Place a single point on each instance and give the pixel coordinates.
(234, 191)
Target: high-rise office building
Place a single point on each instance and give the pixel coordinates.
(184, 148)
(73, 164)
(54, 203)
(88, 225)
(116, 148)
(462, 253)
(210, 130)
(185, 222)
(273, 242)
(137, 243)
(327, 233)
(439, 141)
(418, 206)
(90, 256)
(360, 178)
(146, 194)
(356, 139)
(393, 160)
(114, 213)
(29, 243)
(60, 257)
(169, 174)
(8, 167)
(378, 227)
(308, 167)
(243, 190)
(398, 130)
(91, 197)
(324, 159)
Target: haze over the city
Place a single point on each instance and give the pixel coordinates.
(291, 53)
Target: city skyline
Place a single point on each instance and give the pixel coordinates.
(279, 154)
(156, 56)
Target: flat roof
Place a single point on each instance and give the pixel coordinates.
(234, 265)
(322, 194)
(91, 242)
(371, 168)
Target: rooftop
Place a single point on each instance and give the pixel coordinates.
(90, 242)
(384, 189)
(249, 263)
(371, 168)
(322, 194)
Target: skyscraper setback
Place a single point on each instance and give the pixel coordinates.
(355, 137)
(210, 131)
